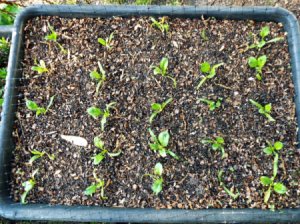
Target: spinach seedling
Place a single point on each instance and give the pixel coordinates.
(53, 37)
(28, 186)
(31, 105)
(216, 144)
(159, 144)
(157, 178)
(158, 108)
(264, 32)
(99, 184)
(212, 104)
(258, 64)
(162, 70)
(209, 70)
(264, 110)
(229, 192)
(273, 148)
(39, 68)
(37, 154)
(278, 187)
(99, 77)
(107, 41)
(96, 112)
(100, 156)
(162, 25)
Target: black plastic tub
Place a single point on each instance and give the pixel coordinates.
(16, 211)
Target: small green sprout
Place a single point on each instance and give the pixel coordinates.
(100, 184)
(206, 68)
(4, 45)
(212, 104)
(264, 110)
(162, 70)
(157, 178)
(31, 105)
(216, 144)
(28, 186)
(53, 37)
(96, 112)
(258, 64)
(158, 108)
(162, 25)
(159, 144)
(278, 187)
(203, 35)
(39, 68)
(264, 32)
(107, 41)
(100, 156)
(273, 148)
(229, 192)
(37, 154)
(99, 77)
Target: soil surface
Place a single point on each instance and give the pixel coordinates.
(189, 183)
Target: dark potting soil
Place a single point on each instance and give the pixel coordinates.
(190, 182)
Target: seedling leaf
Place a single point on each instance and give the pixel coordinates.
(163, 138)
(280, 188)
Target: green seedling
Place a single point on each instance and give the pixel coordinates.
(216, 144)
(258, 64)
(107, 42)
(99, 184)
(53, 37)
(96, 112)
(273, 148)
(264, 32)
(100, 156)
(162, 25)
(209, 70)
(37, 154)
(229, 192)
(39, 68)
(212, 104)
(158, 108)
(157, 178)
(264, 110)
(4, 45)
(99, 77)
(203, 35)
(28, 186)
(31, 105)
(162, 70)
(278, 187)
(160, 144)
